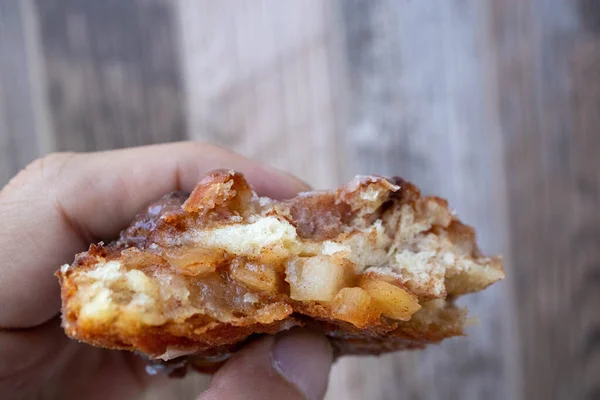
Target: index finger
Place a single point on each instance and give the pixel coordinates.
(58, 205)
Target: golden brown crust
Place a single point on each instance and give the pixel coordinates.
(201, 274)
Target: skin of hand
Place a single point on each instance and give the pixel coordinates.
(60, 204)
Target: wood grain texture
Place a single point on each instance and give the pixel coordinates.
(112, 73)
(22, 123)
(549, 63)
(258, 81)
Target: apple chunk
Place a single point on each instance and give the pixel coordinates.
(318, 278)
(353, 305)
(259, 277)
(393, 301)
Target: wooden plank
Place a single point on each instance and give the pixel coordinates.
(265, 82)
(420, 107)
(112, 72)
(23, 127)
(548, 63)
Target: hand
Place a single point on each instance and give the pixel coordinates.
(60, 204)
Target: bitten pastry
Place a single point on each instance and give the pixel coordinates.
(373, 263)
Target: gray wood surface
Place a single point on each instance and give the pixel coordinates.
(258, 81)
(548, 56)
(22, 128)
(112, 73)
(494, 105)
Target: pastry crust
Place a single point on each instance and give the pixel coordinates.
(374, 264)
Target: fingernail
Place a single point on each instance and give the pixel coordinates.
(304, 359)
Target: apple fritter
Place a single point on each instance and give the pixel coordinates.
(376, 265)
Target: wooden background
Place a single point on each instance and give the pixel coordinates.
(493, 104)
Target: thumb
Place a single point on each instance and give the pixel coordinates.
(291, 365)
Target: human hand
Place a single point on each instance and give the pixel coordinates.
(60, 204)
